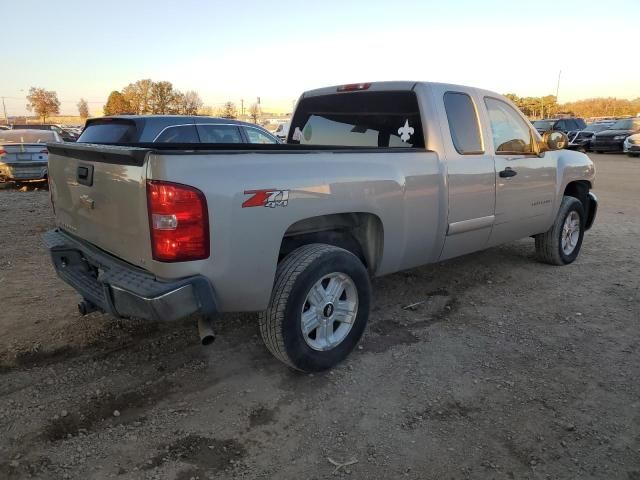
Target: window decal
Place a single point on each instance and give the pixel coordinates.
(406, 131)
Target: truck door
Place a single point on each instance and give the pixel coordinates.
(525, 181)
(470, 173)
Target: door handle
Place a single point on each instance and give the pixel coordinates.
(508, 172)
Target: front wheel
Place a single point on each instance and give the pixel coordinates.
(319, 307)
(561, 244)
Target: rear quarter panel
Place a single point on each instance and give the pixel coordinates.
(403, 189)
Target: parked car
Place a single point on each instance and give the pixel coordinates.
(24, 154)
(582, 140)
(66, 135)
(374, 178)
(172, 129)
(608, 123)
(632, 145)
(612, 139)
(5, 127)
(282, 131)
(565, 125)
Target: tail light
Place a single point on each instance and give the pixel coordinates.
(44, 151)
(178, 221)
(2, 151)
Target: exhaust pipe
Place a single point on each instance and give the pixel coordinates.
(85, 307)
(205, 330)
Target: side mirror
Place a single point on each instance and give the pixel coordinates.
(554, 140)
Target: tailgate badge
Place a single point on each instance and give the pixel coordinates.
(87, 202)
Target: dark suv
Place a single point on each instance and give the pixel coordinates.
(582, 140)
(176, 129)
(565, 125)
(612, 140)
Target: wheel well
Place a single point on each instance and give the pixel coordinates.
(360, 233)
(578, 189)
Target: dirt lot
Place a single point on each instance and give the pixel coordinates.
(510, 370)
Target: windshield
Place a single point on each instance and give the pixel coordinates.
(27, 136)
(627, 124)
(543, 124)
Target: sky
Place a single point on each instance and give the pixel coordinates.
(229, 50)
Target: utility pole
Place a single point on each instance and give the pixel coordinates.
(4, 108)
(558, 87)
(242, 106)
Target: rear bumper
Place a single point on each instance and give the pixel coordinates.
(123, 290)
(608, 146)
(24, 171)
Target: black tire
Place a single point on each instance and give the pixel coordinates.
(549, 244)
(297, 273)
(599, 152)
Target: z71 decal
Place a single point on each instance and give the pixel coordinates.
(266, 198)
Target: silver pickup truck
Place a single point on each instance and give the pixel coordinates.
(374, 178)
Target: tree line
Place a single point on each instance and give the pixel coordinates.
(547, 106)
(146, 97)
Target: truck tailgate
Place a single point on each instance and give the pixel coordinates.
(99, 195)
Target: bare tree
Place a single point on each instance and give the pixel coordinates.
(191, 103)
(229, 110)
(83, 108)
(254, 112)
(44, 102)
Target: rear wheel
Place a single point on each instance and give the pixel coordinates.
(561, 244)
(319, 307)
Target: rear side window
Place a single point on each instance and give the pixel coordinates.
(178, 134)
(463, 123)
(256, 136)
(109, 132)
(219, 134)
(362, 119)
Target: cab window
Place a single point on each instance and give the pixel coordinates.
(511, 134)
(359, 119)
(463, 123)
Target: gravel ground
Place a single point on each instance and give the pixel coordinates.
(511, 369)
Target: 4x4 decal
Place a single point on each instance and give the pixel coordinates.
(270, 197)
